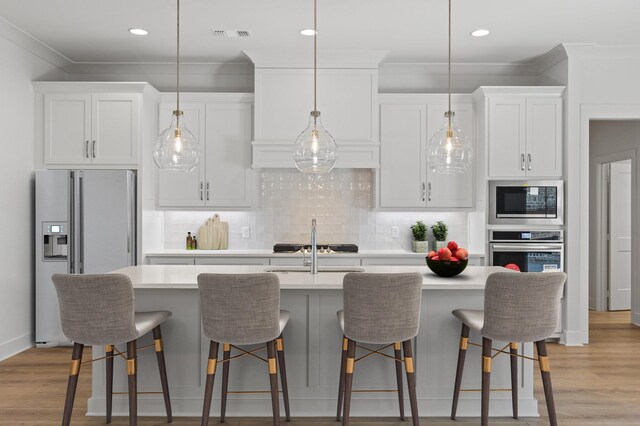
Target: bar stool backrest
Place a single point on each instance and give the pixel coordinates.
(522, 307)
(96, 309)
(241, 309)
(381, 308)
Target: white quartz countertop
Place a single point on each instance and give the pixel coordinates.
(270, 253)
(185, 276)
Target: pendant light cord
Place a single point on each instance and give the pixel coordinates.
(178, 62)
(315, 59)
(449, 64)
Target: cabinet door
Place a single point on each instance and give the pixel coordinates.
(67, 128)
(507, 136)
(115, 128)
(544, 137)
(176, 188)
(229, 178)
(402, 147)
(456, 189)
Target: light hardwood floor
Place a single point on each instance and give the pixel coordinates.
(594, 384)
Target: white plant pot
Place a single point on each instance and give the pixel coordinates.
(420, 246)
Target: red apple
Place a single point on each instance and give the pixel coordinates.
(431, 254)
(513, 267)
(435, 258)
(444, 253)
(462, 253)
(453, 246)
(454, 259)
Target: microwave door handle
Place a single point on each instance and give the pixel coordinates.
(527, 247)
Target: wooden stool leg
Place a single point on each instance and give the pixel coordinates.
(212, 364)
(545, 371)
(273, 379)
(348, 379)
(397, 349)
(411, 381)
(132, 368)
(514, 378)
(462, 353)
(108, 351)
(74, 371)
(486, 380)
(226, 354)
(283, 376)
(157, 340)
(343, 362)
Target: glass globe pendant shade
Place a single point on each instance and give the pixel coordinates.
(176, 148)
(449, 150)
(315, 150)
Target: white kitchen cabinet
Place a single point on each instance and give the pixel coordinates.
(523, 130)
(91, 128)
(407, 123)
(165, 260)
(223, 177)
(232, 260)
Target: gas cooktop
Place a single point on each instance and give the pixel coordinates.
(322, 248)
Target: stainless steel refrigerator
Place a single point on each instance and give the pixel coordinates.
(85, 224)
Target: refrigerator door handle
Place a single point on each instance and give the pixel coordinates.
(72, 221)
(80, 223)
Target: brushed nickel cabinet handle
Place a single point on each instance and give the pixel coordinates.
(429, 198)
(86, 149)
(207, 191)
(522, 159)
(529, 159)
(201, 191)
(93, 149)
(424, 192)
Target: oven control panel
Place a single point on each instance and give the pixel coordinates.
(526, 236)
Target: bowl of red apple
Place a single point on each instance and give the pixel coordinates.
(448, 261)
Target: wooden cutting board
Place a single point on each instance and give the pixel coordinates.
(214, 234)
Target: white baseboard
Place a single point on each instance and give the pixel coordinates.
(16, 345)
(635, 318)
(573, 338)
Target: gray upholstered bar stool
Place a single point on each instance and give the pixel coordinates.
(99, 310)
(518, 308)
(379, 309)
(239, 310)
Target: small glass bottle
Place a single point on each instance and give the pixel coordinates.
(194, 243)
(189, 241)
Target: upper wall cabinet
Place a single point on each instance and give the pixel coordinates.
(91, 124)
(346, 98)
(522, 129)
(407, 122)
(224, 179)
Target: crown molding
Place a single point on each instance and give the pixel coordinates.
(326, 58)
(217, 68)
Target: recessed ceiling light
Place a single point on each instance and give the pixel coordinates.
(308, 32)
(138, 31)
(480, 33)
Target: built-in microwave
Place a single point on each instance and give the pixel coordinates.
(526, 202)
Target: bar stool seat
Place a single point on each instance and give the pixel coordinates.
(473, 318)
(147, 321)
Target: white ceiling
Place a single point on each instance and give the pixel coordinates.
(412, 30)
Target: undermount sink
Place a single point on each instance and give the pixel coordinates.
(306, 269)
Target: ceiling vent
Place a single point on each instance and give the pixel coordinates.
(231, 33)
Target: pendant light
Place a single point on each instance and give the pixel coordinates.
(177, 148)
(449, 150)
(315, 150)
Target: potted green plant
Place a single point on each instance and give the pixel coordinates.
(440, 234)
(420, 243)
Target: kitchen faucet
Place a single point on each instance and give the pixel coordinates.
(313, 262)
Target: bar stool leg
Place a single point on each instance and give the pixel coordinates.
(545, 371)
(343, 362)
(397, 349)
(212, 364)
(486, 380)
(348, 379)
(157, 340)
(283, 376)
(108, 351)
(133, 383)
(514, 378)
(226, 354)
(273, 378)
(74, 371)
(411, 381)
(462, 353)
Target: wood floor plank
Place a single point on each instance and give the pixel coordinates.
(596, 384)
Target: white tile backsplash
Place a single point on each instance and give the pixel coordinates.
(340, 201)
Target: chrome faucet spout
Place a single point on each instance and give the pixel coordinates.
(314, 248)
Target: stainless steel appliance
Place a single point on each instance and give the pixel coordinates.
(530, 251)
(85, 223)
(526, 202)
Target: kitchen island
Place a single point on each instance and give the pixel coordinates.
(313, 343)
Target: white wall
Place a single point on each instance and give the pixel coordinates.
(18, 68)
